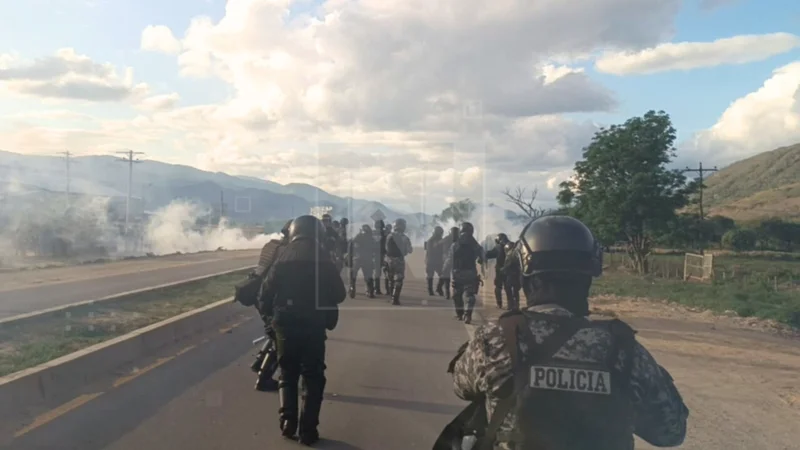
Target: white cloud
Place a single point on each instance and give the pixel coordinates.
(693, 55)
(409, 90)
(159, 39)
(69, 76)
(760, 121)
(163, 102)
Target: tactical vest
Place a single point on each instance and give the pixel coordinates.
(464, 255)
(566, 404)
(392, 249)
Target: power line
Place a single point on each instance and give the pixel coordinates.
(700, 170)
(129, 154)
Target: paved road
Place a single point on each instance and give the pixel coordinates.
(387, 389)
(47, 288)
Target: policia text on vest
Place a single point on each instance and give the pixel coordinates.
(584, 381)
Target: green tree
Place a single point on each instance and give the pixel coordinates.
(740, 239)
(623, 189)
(781, 234)
(459, 211)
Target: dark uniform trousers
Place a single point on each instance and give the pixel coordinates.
(365, 266)
(465, 282)
(301, 352)
(502, 283)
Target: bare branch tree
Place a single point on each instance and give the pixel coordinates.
(524, 200)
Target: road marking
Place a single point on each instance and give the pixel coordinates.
(230, 328)
(139, 372)
(37, 283)
(77, 402)
(185, 350)
(120, 295)
(53, 414)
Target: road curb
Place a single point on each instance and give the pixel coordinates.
(118, 296)
(61, 379)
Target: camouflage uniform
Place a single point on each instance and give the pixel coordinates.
(485, 366)
(398, 245)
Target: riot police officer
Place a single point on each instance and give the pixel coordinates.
(466, 253)
(498, 253)
(387, 278)
(512, 274)
(301, 293)
(447, 264)
(434, 259)
(361, 256)
(398, 245)
(379, 263)
(553, 378)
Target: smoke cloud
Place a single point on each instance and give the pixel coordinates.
(173, 229)
(40, 227)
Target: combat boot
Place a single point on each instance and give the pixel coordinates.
(439, 287)
(470, 305)
(447, 289)
(388, 285)
(287, 392)
(376, 283)
(314, 388)
(498, 296)
(352, 289)
(398, 287)
(430, 286)
(371, 288)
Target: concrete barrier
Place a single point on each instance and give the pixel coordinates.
(23, 393)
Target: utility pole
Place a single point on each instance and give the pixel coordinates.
(700, 170)
(129, 154)
(67, 156)
(221, 206)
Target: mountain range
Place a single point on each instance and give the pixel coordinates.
(156, 184)
(760, 187)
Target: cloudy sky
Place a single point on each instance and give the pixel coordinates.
(390, 99)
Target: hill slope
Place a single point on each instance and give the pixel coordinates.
(765, 185)
(160, 183)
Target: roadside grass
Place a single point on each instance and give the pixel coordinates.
(29, 342)
(751, 298)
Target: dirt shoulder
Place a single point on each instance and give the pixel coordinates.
(28, 278)
(740, 377)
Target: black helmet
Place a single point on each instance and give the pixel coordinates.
(559, 244)
(306, 227)
(467, 228)
(388, 228)
(327, 219)
(454, 231)
(400, 225)
(285, 229)
(344, 221)
(366, 229)
(501, 238)
(438, 231)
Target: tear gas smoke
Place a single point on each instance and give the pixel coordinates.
(172, 229)
(39, 227)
